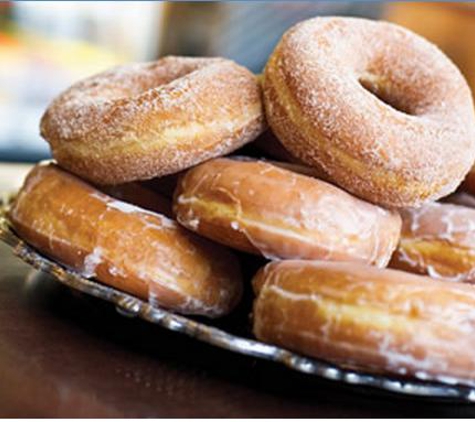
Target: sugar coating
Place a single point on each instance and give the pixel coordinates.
(146, 120)
(317, 105)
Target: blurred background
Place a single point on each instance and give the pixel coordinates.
(46, 46)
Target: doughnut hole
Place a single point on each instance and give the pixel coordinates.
(386, 92)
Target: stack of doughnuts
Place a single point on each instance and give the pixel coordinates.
(370, 123)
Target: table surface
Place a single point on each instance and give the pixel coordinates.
(66, 354)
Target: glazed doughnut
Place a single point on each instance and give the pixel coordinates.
(385, 113)
(374, 319)
(438, 240)
(140, 252)
(258, 207)
(147, 120)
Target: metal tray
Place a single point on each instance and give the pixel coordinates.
(208, 333)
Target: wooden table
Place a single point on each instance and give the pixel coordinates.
(66, 354)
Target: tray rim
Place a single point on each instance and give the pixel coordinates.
(132, 306)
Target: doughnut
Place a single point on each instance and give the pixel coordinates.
(258, 207)
(438, 240)
(146, 120)
(132, 249)
(384, 112)
(357, 316)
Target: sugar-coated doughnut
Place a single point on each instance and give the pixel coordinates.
(374, 319)
(438, 240)
(385, 113)
(135, 250)
(262, 208)
(146, 120)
